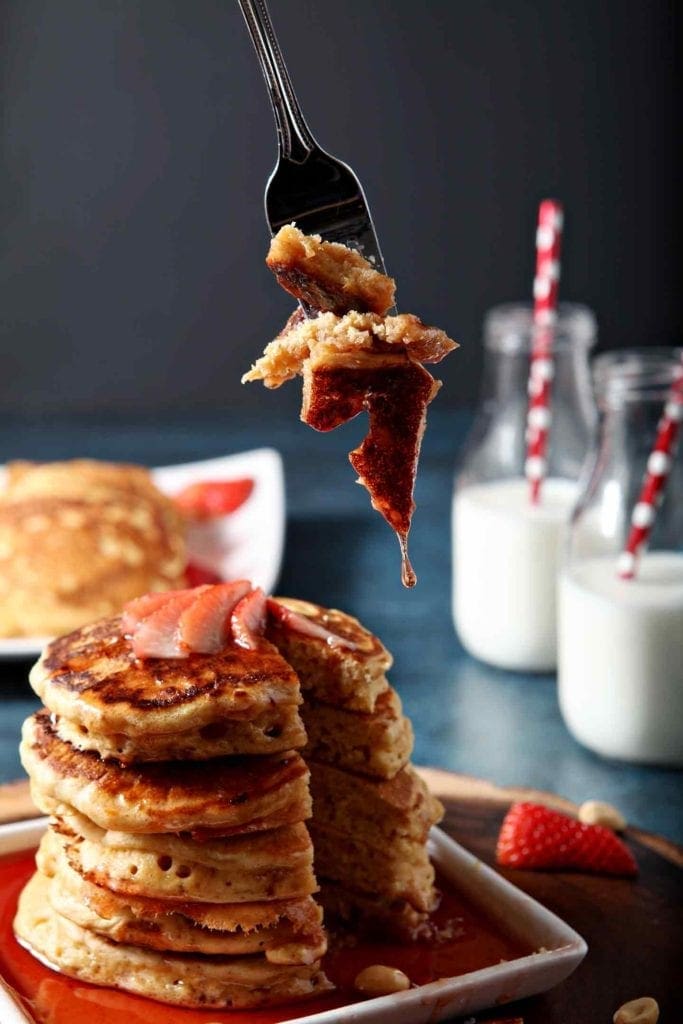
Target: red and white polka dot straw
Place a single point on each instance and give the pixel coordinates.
(654, 481)
(546, 287)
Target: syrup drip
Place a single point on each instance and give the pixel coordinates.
(395, 396)
(408, 577)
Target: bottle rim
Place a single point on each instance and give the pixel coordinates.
(630, 374)
(509, 327)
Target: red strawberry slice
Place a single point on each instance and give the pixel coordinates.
(208, 499)
(302, 624)
(249, 620)
(157, 635)
(533, 836)
(140, 607)
(196, 575)
(204, 626)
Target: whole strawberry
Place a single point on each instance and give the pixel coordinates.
(533, 836)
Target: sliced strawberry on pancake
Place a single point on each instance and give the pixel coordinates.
(140, 607)
(158, 635)
(249, 620)
(204, 626)
(302, 624)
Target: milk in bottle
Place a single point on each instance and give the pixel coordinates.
(507, 550)
(620, 671)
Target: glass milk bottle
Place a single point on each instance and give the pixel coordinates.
(620, 670)
(506, 550)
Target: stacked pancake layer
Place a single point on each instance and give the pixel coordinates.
(371, 811)
(178, 864)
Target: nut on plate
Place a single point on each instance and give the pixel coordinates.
(638, 1011)
(379, 980)
(597, 812)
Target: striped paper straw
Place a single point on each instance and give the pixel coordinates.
(541, 371)
(654, 481)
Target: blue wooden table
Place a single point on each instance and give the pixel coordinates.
(468, 717)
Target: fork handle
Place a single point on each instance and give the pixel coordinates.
(294, 138)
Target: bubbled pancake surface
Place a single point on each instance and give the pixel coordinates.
(277, 728)
(183, 980)
(277, 864)
(91, 677)
(222, 797)
(287, 931)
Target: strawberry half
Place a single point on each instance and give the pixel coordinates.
(196, 575)
(533, 836)
(204, 626)
(208, 499)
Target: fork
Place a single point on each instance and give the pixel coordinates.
(308, 186)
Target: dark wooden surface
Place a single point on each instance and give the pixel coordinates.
(634, 929)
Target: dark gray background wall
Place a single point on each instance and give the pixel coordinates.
(137, 137)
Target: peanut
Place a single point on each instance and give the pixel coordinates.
(379, 980)
(638, 1011)
(596, 812)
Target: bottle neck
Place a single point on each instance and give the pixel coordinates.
(497, 445)
(632, 388)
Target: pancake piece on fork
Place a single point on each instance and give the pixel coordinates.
(354, 358)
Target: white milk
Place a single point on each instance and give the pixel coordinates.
(506, 558)
(621, 658)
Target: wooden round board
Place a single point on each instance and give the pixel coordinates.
(634, 928)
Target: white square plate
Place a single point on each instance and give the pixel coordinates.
(247, 544)
(561, 950)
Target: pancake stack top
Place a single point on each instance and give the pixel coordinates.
(178, 864)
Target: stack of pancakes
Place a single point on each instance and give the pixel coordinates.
(371, 811)
(177, 863)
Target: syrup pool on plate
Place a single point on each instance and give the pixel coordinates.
(507, 552)
(469, 941)
(621, 657)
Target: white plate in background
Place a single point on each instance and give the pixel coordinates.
(246, 544)
(560, 949)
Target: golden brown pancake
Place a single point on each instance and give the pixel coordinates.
(273, 730)
(373, 811)
(399, 871)
(183, 980)
(224, 796)
(347, 677)
(327, 275)
(356, 339)
(274, 865)
(376, 744)
(92, 679)
(285, 931)
(79, 539)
